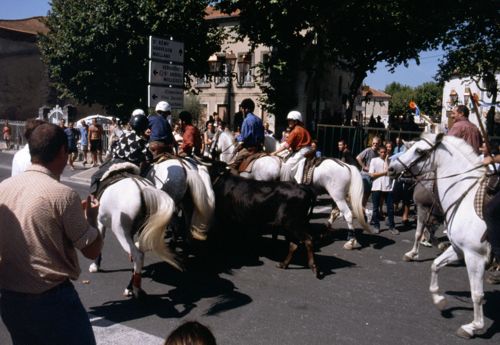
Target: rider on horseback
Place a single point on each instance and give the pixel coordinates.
(299, 142)
(191, 139)
(251, 138)
(161, 139)
(131, 147)
(492, 219)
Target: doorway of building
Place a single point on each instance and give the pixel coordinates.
(222, 111)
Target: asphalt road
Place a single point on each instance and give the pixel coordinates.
(367, 296)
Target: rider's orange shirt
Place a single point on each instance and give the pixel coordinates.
(299, 137)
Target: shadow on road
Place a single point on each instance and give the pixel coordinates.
(490, 309)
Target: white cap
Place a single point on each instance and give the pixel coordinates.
(294, 115)
(138, 112)
(163, 106)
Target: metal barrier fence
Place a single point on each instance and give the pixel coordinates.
(357, 138)
(17, 140)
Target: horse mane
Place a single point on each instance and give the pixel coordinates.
(461, 145)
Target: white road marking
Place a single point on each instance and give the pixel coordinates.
(109, 333)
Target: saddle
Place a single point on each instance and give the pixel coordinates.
(247, 164)
(309, 165)
(488, 187)
(163, 157)
(116, 173)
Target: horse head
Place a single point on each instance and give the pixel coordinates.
(415, 160)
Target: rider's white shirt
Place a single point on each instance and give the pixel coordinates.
(21, 161)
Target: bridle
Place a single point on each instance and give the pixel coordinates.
(425, 154)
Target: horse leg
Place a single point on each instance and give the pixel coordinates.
(450, 255)
(352, 242)
(292, 247)
(310, 255)
(422, 214)
(96, 265)
(475, 264)
(138, 258)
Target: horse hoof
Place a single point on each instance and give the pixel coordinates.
(443, 246)
(139, 294)
(282, 265)
(441, 305)
(409, 258)
(93, 268)
(128, 293)
(462, 333)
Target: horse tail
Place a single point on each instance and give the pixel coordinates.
(356, 196)
(159, 208)
(203, 201)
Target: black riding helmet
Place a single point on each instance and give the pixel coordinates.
(139, 123)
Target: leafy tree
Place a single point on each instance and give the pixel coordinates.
(472, 51)
(308, 37)
(97, 50)
(401, 97)
(428, 98)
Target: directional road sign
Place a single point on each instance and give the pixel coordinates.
(161, 49)
(173, 95)
(161, 73)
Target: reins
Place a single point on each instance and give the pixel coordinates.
(454, 205)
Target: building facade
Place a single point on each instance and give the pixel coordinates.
(459, 91)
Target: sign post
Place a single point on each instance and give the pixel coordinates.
(166, 72)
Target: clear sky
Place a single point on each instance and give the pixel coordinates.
(413, 75)
(17, 9)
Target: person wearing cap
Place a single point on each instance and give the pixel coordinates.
(191, 137)
(131, 147)
(251, 138)
(298, 142)
(161, 139)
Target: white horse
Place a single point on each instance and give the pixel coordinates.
(178, 177)
(131, 204)
(458, 172)
(264, 168)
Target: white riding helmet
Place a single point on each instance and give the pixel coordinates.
(138, 112)
(163, 106)
(294, 115)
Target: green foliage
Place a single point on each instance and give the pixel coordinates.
(97, 50)
(472, 51)
(401, 97)
(309, 36)
(427, 96)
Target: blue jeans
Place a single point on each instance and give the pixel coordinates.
(52, 318)
(376, 208)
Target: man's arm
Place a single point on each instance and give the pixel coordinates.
(359, 159)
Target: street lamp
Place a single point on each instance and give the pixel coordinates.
(453, 97)
(466, 97)
(222, 69)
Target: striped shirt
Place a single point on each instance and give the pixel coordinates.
(42, 223)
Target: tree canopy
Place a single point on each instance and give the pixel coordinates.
(472, 52)
(97, 50)
(427, 97)
(354, 35)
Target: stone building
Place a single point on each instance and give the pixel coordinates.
(24, 81)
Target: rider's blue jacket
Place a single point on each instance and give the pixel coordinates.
(252, 131)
